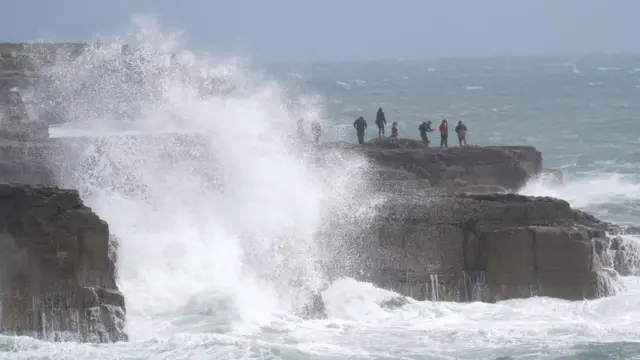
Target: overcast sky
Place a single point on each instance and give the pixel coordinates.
(348, 29)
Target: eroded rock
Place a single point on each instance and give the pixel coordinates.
(462, 236)
(58, 282)
(485, 247)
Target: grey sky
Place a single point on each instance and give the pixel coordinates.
(348, 29)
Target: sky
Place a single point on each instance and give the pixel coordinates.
(338, 30)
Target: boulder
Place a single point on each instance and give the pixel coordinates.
(58, 282)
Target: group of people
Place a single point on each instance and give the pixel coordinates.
(425, 127)
(360, 124)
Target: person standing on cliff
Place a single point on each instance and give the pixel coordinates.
(461, 130)
(424, 128)
(300, 130)
(444, 133)
(394, 130)
(316, 131)
(360, 125)
(381, 121)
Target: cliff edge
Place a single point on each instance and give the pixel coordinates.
(450, 228)
(58, 281)
(468, 169)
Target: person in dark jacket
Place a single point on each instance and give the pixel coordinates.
(424, 128)
(461, 130)
(381, 121)
(360, 125)
(444, 133)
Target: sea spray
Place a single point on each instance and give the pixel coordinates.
(605, 195)
(222, 220)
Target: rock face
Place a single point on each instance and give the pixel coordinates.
(14, 119)
(58, 282)
(24, 147)
(26, 162)
(468, 169)
(430, 239)
(486, 248)
(21, 68)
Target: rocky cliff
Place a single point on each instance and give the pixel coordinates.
(475, 169)
(487, 248)
(58, 282)
(58, 265)
(431, 239)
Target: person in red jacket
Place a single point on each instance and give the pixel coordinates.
(394, 130)
(444, 133)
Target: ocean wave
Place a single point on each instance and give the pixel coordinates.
(344, 85)
(612, 196)
(605, 68)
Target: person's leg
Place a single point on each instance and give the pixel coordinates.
(459, 141)
(361, 137)
(441, 140)
(446, 141)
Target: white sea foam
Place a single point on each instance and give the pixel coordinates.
(612, 196)
(223, 224)
(588, 190)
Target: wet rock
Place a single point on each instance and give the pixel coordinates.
(482, 189)
(315, 308)
(484, 247)
(394, 303)
(57, 281)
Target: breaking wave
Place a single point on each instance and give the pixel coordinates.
(221, 222)
(611, 196)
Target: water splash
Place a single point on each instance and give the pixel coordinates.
(609, 196)
(220, 221)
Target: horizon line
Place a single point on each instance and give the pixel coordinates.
(266, 60)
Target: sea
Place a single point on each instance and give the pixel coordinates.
(216, 252)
